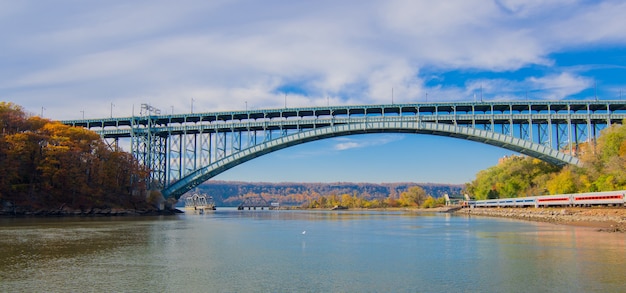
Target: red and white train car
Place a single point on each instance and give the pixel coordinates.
(600, 198)
(614, 198)
(553, 200)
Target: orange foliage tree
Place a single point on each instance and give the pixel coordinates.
(48, 165)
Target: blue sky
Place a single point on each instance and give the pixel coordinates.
(66, 59)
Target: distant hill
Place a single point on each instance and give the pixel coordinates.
(229, 193)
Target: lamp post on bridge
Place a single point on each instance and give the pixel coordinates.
(149, 110)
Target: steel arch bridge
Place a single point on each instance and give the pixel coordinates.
(184, 150)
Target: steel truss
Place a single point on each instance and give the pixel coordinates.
(176, 146)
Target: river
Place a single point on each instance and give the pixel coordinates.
(306, 251)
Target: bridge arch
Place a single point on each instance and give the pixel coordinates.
(529, 148)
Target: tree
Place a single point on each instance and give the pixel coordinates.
(492, 194)
(432, 202)
(562, 182)
(12, 119)
(514, 176)
(49, 165)
(603, 169)
(604, 164)
(347, 200)
(414, 197)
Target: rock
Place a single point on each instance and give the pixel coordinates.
(598, 217)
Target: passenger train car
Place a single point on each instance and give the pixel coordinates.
(614, 198)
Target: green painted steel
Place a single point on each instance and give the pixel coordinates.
(187, 149)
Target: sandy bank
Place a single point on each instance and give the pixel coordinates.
(608, 219)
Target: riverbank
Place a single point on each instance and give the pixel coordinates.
(95, 212)
(606, 219)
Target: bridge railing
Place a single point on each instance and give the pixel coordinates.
(323, 121)
(174, 146)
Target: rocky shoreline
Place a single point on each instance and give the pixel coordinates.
(606, 219)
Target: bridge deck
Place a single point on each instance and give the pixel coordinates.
(186, 149)
(502, 109)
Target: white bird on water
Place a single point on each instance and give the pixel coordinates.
(303, 232)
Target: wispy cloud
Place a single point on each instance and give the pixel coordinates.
(347, 143)
(337, 145)
(342, 146)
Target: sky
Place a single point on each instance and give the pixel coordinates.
(94, 59)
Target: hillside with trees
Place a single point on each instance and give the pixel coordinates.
(602, 168)
(227, 193)
(48, 168)
(414, 197)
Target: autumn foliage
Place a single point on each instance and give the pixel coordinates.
(603, 168)
(414, 197)
(327, 195)
(47, 165)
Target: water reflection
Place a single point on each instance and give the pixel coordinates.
(241, 251)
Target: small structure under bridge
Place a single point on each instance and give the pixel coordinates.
(199, 202)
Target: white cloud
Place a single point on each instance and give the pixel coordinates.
(462, 34)
(342, 146)
(347, 143)
(531, 8)
(587, 24)
(561, 85)
(548, 87)
(225, 53)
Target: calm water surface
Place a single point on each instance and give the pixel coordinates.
(307, 251)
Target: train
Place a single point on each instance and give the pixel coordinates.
(605, 198)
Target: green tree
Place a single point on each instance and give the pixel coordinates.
(514, 176)
(604, 163)
(492, 194)
(603, 168)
